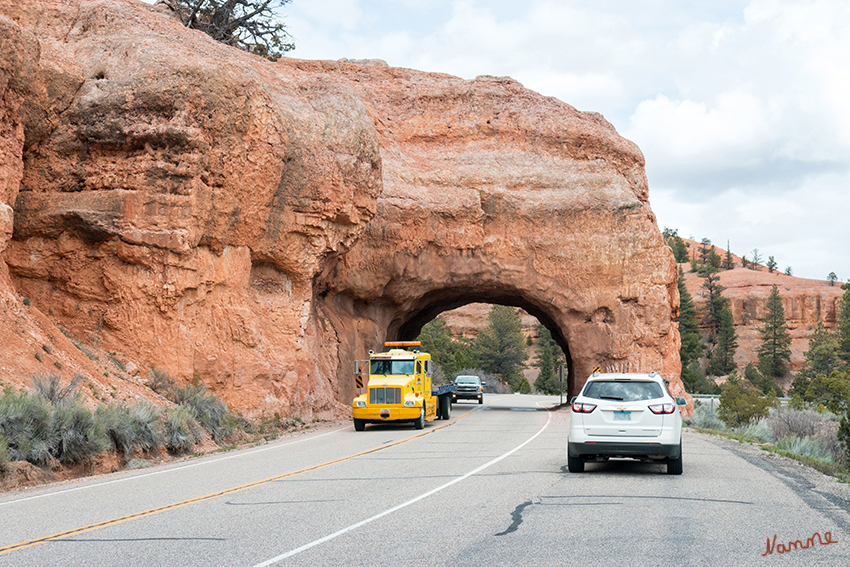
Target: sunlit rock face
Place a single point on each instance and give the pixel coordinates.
(260, 225)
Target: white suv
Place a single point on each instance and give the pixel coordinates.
(625, 415)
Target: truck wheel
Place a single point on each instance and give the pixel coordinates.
(419, 423)
(359, 425)
(447, 409)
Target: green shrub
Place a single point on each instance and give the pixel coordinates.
(844, 434)
(26, 422)
(210, 412)
(79, 435)
(740, 403)
(147, 425)
(4, 452)
(131, 428)
(115, 420)
(181, 430)
(806, 447)
(833, 391)
(705, 417)
(759, 431)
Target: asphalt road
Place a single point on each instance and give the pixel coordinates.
(489, 487)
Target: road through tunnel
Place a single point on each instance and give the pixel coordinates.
(408, 327)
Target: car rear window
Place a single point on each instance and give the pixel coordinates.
(623, 391)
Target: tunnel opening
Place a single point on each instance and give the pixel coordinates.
(409, 326)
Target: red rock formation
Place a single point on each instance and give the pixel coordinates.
(203, 210)
(806, 302)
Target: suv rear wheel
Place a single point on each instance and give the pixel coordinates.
(575, 464)
(674, 466)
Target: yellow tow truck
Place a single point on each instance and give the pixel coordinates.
(399, 388)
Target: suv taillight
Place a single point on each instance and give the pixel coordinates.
(662, 408)
(583, 408)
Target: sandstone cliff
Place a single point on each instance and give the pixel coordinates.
(191, 207)
(806, 303)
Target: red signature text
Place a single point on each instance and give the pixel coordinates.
(772, 546)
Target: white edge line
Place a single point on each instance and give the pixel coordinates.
(173, 469)
(305, 547)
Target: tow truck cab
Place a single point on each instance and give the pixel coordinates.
(399, 388)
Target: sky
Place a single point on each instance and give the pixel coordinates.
(741, 108)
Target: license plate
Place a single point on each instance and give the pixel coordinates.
(622, 416)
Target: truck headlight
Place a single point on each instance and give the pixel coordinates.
(360, 403)
(409, 404)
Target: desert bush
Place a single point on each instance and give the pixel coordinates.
(806, 447)
(48, 387)
(79, 437)
(827, 435)
(791, 422)
(181, 431)
(759, 431)
(115, 420)
(210, 412)
(160, 381)
(131, 428)
(705, 417)
(4, 452)
(740, 403)
(843, 435)
(26, 421)
(148, 427)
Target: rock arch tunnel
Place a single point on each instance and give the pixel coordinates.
(492, 193)
(409, 327)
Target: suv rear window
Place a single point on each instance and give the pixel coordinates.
(623, 391)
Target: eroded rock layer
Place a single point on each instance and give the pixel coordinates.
(260, 225)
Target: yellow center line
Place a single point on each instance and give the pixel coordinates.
(172, 506)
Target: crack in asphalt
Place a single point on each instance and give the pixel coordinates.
(516, 516)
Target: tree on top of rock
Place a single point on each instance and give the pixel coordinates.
(775, 350)
(248, 24)
(728, 260)
(756, 262)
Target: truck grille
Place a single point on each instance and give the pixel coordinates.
(384, 396)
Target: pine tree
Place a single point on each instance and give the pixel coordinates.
(547, 360)
(844, 324)
(722, 357)
(831, 278)
(691, 348)
(775, 350)
(714, 301)
(500, 347)
(788, 271)
(771, 264)
(728, 260)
